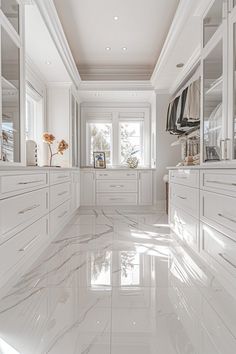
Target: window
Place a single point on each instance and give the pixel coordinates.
(130, 268)
(120, 133)
(30, 120)
(100, 139)
(131, 141)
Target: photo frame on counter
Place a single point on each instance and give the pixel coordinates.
(99, 159)
(212, 153)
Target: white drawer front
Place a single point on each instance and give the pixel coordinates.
(219, 211)
(117, 186)
(59, 194)
(116, 175)
(59, 177)
(117, 199)
(185, 198)
(59, 216)
(186, 177)
(15, 183)
(185, 227)
(219, 247)
(221, 181)
(22, 245)
(22, 209)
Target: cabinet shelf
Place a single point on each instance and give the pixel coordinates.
(215, 91)
(7, 85)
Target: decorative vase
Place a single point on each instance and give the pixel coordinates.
(132, 162)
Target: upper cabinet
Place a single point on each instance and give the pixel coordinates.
(12, 82)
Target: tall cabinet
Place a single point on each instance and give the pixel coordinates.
(12, 82)
(219, 82)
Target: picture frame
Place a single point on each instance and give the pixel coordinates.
(99, 159)
(212, 153)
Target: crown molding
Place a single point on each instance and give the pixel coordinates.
(184, 11)
(49, 14)
(188, 68)
(139, 85)
(203, 5)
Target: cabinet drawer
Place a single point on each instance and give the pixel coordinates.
(219, 211)
(221, 181)
(22, 182)
(22, 245)
(219, 247)
(59, 177)
(186, 177)
(59, 216)
(185, 227)
(116, 175)
(20, 210)
(185, 198)
(59, 193)
(117, 199)
(117, 186)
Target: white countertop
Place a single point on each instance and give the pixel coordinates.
(206, 166)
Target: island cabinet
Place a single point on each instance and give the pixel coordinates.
(116, 187)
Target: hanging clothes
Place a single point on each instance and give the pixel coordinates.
(192, 105)
(171, 116)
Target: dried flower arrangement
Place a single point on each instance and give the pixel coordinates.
(61, 147)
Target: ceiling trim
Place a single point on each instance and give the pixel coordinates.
(52, 21)
(141, 85)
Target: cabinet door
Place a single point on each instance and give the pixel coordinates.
(87, 188)
(145, 187)
(75, 190)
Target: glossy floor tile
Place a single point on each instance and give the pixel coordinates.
(116, 281)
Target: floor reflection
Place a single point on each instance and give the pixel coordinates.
(116, 281)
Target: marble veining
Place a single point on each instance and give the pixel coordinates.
(117, 281)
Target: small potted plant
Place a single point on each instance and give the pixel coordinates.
(61, 147)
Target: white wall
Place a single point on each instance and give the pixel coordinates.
(166, 155)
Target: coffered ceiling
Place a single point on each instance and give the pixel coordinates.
(116, 39)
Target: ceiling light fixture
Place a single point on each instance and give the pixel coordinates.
(108, 48)
(116, 18)
(180, 65)
(124, 49)
(48, 62)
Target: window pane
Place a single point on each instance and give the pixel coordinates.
(100, 135)
(30, 120)
(101, 269)
(131, 142)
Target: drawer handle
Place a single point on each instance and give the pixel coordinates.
(117, 185)
(102, 174)
(130, 174)
(180, 177)
(63, 214)
(180, 197)
(224, 183)
(116, 198)
(28, 244)
(35, 206)
(226, 217)
(62, 193)
(30, 182)
(227, 260)
(63, 176)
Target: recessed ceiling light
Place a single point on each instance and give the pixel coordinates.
(124, 49)
(180, 65)
(108, 48)
(48, 62)
(116, 18)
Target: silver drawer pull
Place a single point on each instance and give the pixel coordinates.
(63, 214)
(180, 197)
(224, 183)
(102, 174)
(117, 185)
(35, 206)
(130, 174)
(63, 176)
(31, 182)
(226, 217)
(62, 193)
(116, 198)
(227, 260)
(28, 244)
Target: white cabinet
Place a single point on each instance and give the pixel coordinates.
(87, 188)
(75, 190)
(145, 187)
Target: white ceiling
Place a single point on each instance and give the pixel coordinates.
(41, 49)
(142, 27)
(116, 96)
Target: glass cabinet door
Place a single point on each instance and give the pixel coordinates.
(10, 80)
(10, 8)
(213, 104)
(232, 72)
(74, 108)
(212, 20)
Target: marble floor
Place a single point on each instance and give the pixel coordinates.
(116, 281)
